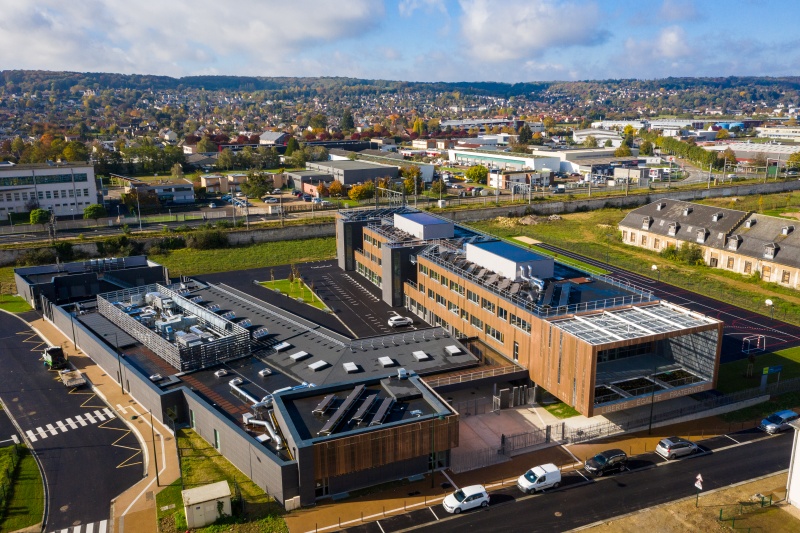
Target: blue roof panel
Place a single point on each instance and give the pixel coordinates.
(424, 218)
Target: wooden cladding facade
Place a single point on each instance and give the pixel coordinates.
(384, 446)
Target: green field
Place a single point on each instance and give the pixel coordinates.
(296, 289)
(25, 503)
(201, 464)
(13, 304)
(733, 376)
(561, 410)
(189, 262)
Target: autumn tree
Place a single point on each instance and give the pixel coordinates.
(477, 174)
(335, 189)
(623, 151)
(722, 134)
(590, 141)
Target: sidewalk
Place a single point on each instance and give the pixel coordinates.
(135, 509)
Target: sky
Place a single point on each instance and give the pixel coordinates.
(413, 40)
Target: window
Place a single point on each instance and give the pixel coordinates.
(78, 192)
(475, 321)
(47, 194)
(464, 315)
(421, 288)
(40, 194)
(434, 275)
(502, 313)
(423, 270)
(25, 196)
(430, 294)
(766, 273)
(785, 276)
(191, 419)
(472, 297)
(216, 439)
(748, 267)
(86, 192)
(493, 333)
(624, 235)
(517, 322)
(486, 304)
(444, 281)
(16, 197)
(441, 300)
(644, 240)
(452, 308)
(633, 237)
(457, 288)
(516, 351)
(730, 262)
(656, 244)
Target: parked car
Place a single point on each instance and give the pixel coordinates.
(456, 186)
(778, 421)
(539, 478)
(306, 197)
(606, 462)
(398, 321)
(466, 498)
(316, 200)
(271, 200)
(326, 203)
(276, 191)
(212, 205)
(673, 447)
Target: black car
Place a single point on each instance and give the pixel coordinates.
(606, 462)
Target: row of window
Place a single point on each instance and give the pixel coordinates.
(372, 240)
(24, 196)
(41, 180)
(369, 274)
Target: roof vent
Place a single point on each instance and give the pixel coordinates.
(786, 230)
(673, 228)
(686, 211)
(661, 206)
(770, 250)
(646, 222)
(716, 216)
(750, 223)
(734, 242)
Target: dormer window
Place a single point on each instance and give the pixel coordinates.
(734, 242)
(673, 229)
(646, 222)
(750, 223)
(660, 206)
(786, 230)
(716, 217)
(770, 250)
(701, 235)
(686, 211)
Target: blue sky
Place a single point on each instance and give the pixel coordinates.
(416, 40)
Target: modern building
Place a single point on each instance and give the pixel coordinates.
(64, 188)
(352, 172)
(273, 138)
(504, 160)
(223, 183)
(303, 411)
(787, 133)
(596, 343)
(739, 241)
(600, 135)
(775, 153)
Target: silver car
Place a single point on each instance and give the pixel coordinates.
(673, 447)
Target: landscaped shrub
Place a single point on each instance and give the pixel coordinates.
(207, 240)
(119, 246)
(37, 256)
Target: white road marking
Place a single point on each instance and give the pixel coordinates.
(61, 426)
(71, 424)
(80, 420)
(734, 440)
(31, 436)
(41, 432)
(120, 409)
(99, 414)
(90, 418)
(51, 429)
(380, 526)
(434, 514)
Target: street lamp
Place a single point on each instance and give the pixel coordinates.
(771, 306)
(657, 271)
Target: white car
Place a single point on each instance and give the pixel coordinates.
(271, 200)
(465, 499)
(212, 205)
(539, 478)
(398, 321)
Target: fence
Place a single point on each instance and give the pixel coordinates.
(478, 406)
(466, 460)
(471, 376)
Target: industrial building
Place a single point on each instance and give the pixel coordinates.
(734, 240)
(352, 172)
(596, 343)
(304, 412)
(63, 188)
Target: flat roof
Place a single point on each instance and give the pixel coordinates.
(637, 321)
(510, 251)
(349, 165)
(424, 218)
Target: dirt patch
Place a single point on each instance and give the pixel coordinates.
(506, 222)
(791, 215)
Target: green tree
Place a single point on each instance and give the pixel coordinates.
(439, 187)
(760, 160)
(722, 134)
(346, 123)
(257, 184)
(646, 148)
(94, 212)
(225, 159)
(75, 151)
(623, 151)
(609, 143)
(412, 175)
(729, 157)
(177, 170)
(629, 131)
(590, 141)
(291, 146)
(793, 161)
(478, 174)
(205, 146)
(318, 121)
(524, 135)
(40, 216)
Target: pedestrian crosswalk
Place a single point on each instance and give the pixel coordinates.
(94, 527)
(81, 420)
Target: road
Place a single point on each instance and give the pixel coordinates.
(739, 323)
(89, 456)
(651, 481)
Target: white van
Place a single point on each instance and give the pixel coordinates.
(540, 478)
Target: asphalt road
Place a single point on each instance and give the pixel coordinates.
(651, 481)
(739, 323)
(88, 458)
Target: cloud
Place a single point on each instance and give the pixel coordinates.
(406, 8)
(175, 38)
(671, 43)
(679, 10)
(515, 29)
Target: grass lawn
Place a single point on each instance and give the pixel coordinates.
(13, 304)
(297, 290)
(561, 410)
(189, 262)
(26, 503)
(754, 413)
(733, 376)
(202, 464)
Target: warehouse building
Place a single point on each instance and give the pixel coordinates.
(352, 172)
(596, 343)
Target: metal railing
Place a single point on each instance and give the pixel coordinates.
(471, 376)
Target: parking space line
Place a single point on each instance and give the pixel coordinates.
(578, 470)
(450, 480)
(734, 440)
(380, 526)
(434, 514)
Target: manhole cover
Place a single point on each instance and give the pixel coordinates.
(558, 513)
